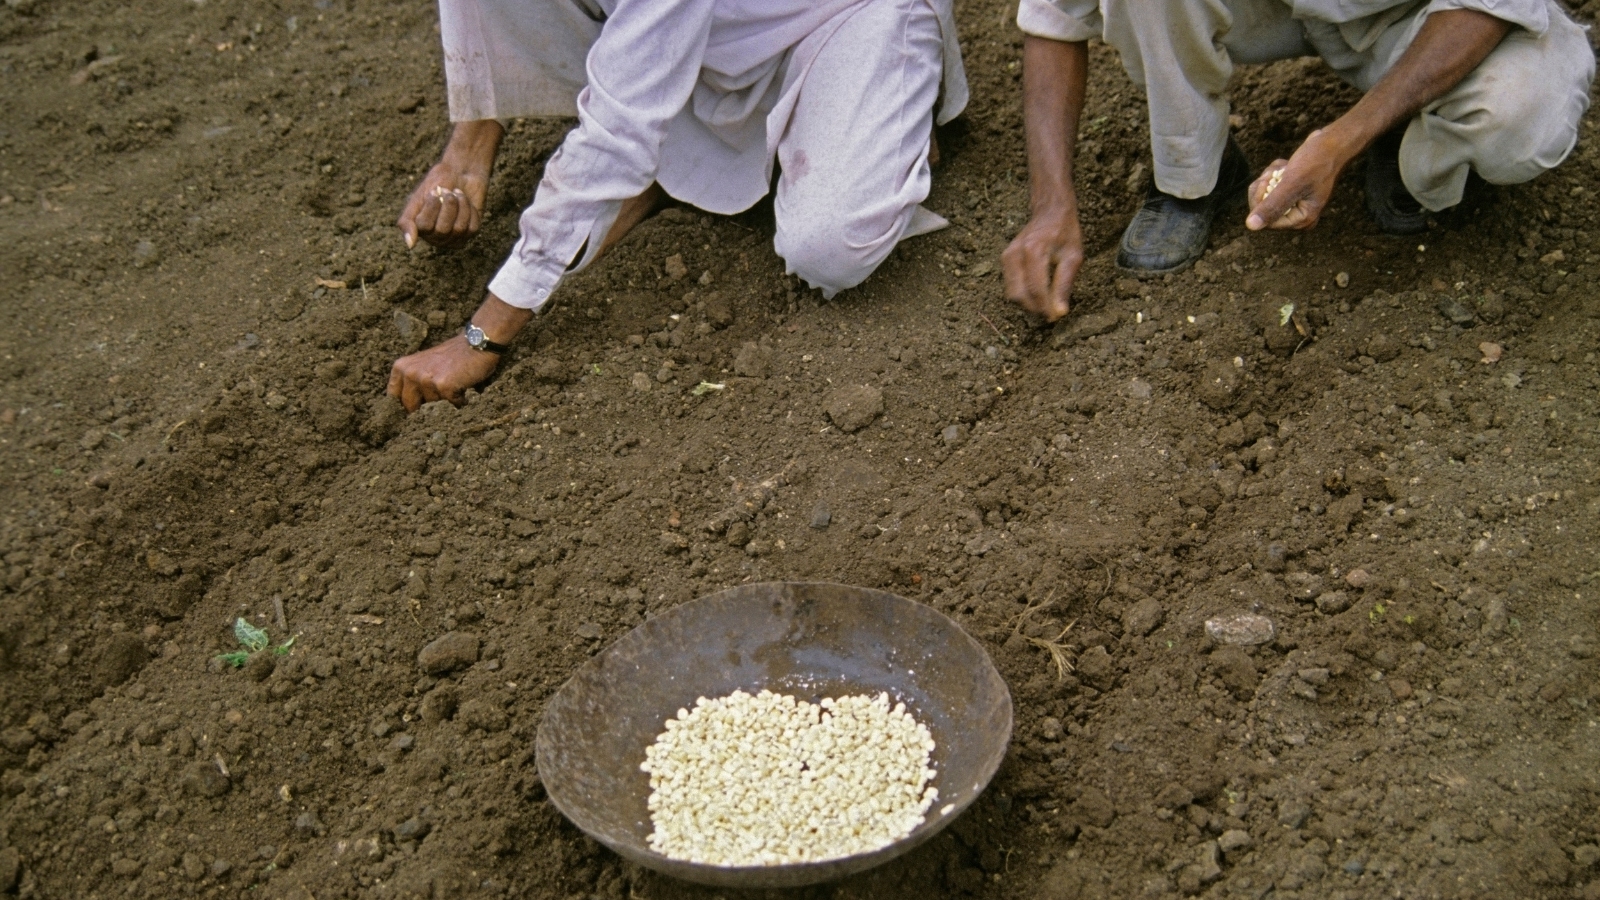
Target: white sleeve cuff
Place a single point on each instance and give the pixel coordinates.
(1060, 20)
(523, 286)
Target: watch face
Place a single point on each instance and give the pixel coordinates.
(475, 337)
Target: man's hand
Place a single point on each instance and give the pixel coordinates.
(447, 206)
(1042, 263)
(1043, 260)
(1292, 193)
(442, 372)
(1450, 44)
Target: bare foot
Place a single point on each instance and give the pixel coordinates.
(447, 206)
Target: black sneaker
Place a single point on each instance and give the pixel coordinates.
(1168, 234)
(1391, 205)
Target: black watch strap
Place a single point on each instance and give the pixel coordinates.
(477, 340)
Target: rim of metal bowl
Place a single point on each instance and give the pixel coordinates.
(570, 802)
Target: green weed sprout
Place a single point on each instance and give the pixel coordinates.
(252, 640)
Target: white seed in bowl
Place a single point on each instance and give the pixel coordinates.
(768, 779)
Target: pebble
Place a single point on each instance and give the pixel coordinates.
(412, 829)
(125, 867)
(1333, 602)
(412, 330)
(1317, 676)
(452, 651)
(308, 823)
(1358, 578)
(1342, 279)
(1243, 629)
(853, 407)
(1491, 352)
(1354, 867)
(1139, 389)
(589, 631)
(220, 868)
(204, 779)
(952, 435)
(1143, 617)
(821, 516)
(1235, 839)
(1456, 311)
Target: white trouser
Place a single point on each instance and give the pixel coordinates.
(1514, 117)
(855, 153)
(849, 120)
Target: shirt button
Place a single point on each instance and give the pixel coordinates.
(542, 293)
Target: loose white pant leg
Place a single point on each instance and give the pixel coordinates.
(506, 59)
(855, 151)
(1512, 119)
(1182, 53)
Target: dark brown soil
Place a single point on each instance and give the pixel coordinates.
(190, 431)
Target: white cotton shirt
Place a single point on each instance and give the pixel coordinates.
(683, 93)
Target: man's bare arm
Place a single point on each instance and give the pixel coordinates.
(1449, 46)
(1043, 260)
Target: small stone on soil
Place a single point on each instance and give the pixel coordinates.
(412, 829)
(1244, 629)
(1143, 617)
(853, 407)
(821, 516)
(1456, 311)
(452, 651)
(204, 779)
(307, 823)
(1233, 840)
(1333, 602)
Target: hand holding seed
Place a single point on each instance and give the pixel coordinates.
(1292, 193)
(445, 210)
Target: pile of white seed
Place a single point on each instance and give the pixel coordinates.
(768, 779)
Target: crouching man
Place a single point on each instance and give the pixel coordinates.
(691, 99)
(1495, 86)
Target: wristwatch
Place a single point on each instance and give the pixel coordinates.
(477, 340)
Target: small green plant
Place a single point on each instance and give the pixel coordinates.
(1377, 612)
(252, 640)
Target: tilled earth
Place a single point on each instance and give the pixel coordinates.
(1384, 447)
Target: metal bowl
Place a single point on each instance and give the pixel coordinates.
(811, 640)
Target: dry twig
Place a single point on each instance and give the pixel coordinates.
(1052, 646)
